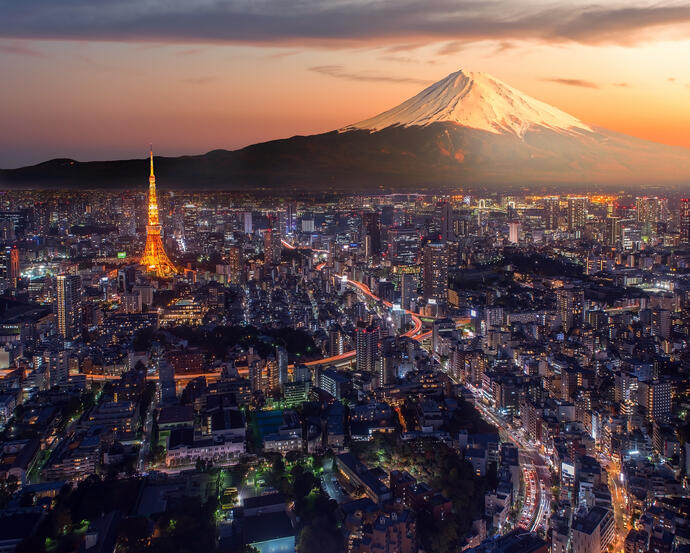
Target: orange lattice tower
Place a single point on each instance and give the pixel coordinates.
(154, 258)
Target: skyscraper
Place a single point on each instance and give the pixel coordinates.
(371, 226)
(685, 221)
(577, 213)
(656, 398)
(443, 219)
(13, 266)
(514, 232)
(409, 283)
(291, 218)
(650, 212)
(236, 263)
(367, 351)
(282, 361)
(272, 247)
(435, 271)
(247, 224)
(68, 304)
(552, 210)
(613, 230)
(404, 242)
(154, 259)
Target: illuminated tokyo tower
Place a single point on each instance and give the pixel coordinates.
(154, 257)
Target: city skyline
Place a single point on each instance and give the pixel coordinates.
(409, 276)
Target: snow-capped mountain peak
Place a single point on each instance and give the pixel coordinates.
(475, 100)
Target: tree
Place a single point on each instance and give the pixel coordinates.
(133, 531)
(8, 486)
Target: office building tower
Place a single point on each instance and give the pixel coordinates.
(514, 232)
(404, 249)
(272, 247)
(577, 213)
(409, 283)
(685, 221)
(612, 235)
(68, 306)
(371, 227)
(13, 266)
(435, 266)
(291, 218)
(443, 220)
(247, 224)
(367, 352)
(461, 227)
(282, 361)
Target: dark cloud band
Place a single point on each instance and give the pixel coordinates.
(337, 22)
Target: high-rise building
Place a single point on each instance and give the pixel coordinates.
(435, 267)
(570, 305)
(56, 364)
(404, 242)
(367, 352)
(13, 266)
(128, 224)
(655, 396)
(443, 219)
(282, 360)
(291, 218)
(68, 306)
(577, 213)
(650, 212)
(236, 264)
(336, 343)
(593, 532)
(409, 283)
(552, 211)
(154, 258)
(371, 226)
(613, 230)
(247, 224)
(514, 232)
(685, 220)
(166, 378)
(272, 247)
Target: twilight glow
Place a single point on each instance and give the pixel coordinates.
(101, 82)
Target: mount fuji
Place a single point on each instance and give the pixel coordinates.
(466, 129)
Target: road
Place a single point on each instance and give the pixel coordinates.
(146, 435)
(536, 511)
(619, 501)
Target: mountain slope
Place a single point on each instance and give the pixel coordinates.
(467, 129)
(474, 100)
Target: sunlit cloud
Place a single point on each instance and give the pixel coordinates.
(572, 82)
(339, 72)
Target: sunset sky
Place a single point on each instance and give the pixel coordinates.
(91, 81)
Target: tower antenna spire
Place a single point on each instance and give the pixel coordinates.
(154, 258)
